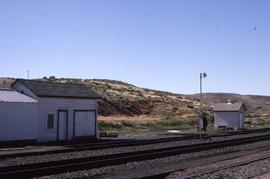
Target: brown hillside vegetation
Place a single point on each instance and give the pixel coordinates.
(257, 105)
(125, 101)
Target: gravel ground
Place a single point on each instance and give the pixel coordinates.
(246, 171)
(265, 175)
(108, 172)
(83, 154)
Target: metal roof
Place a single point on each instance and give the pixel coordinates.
(229, 107)
(10, 95)
(62, 90)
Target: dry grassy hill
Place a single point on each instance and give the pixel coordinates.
(125, 99)
(258, 106)
(126, 102)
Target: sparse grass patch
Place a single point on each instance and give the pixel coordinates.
(136, 125)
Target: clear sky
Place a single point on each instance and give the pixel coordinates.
(159, 44)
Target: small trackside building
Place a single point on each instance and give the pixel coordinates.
(65, 110)
(18, 116)
(229, 115)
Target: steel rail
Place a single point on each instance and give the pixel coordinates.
(62, 166)
(129, 143)
(239, 164)
(242, 154)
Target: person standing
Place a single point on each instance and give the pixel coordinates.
(205, 123)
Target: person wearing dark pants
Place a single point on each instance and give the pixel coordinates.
(204, 122)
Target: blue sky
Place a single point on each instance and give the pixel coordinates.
(159, 44)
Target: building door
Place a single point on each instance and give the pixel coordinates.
(241, 120)
(62, 125)
(85, 123)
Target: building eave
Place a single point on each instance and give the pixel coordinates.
(73, 97)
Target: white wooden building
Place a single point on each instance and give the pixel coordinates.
(230, 115)
(18, 116)
(65, 111)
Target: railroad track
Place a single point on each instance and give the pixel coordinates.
(164, 174)
(260, 175)
(201, 174)
(238, 164)
(63, 166)
(129, 143)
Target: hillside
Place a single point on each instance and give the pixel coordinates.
(256, 104)
(123, 100)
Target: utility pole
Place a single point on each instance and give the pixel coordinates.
(202, 75)
(28, 72)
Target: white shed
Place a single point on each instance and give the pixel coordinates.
(18, 116)
(230, 115)
(61, 111)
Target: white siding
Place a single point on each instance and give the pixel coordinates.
(228, 119)
(85, 123)
(52, 105)
(18, 121)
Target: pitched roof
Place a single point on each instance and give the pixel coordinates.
(62, 90)
(229, 106)
(10, 95)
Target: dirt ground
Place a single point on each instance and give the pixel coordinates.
(131, 118)
(154, 134)
(140, 135)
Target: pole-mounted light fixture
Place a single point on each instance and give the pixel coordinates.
(202, 75)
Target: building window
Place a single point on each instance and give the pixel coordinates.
(50, 121)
